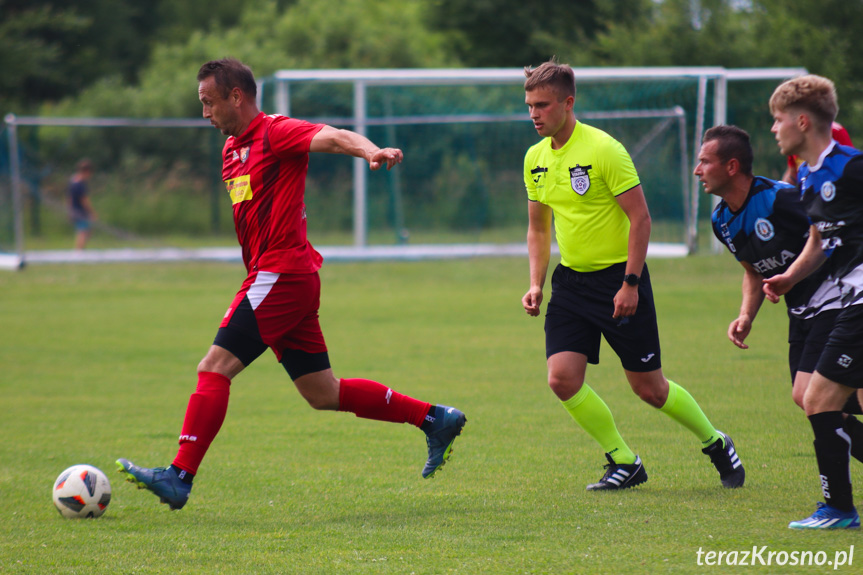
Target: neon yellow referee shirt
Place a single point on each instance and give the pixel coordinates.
(579, 182)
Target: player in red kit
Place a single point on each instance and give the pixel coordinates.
(265, 161)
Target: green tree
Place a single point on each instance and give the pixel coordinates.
(307, 34)
(179, 19)
(677, 33)
(31, 54)
(52, 49)
(819, 35)
(514, 33)
(822, 36)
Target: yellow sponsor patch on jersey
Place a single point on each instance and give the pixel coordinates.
(240, 189)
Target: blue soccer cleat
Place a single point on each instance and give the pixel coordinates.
(162, 481)
(448, 424)
(826, 517)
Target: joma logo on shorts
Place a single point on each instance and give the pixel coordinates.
(844, 360)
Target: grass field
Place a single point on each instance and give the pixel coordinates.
(97, 362)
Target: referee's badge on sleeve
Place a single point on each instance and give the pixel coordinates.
(580, 179)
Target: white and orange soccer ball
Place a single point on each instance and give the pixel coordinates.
(82, 491)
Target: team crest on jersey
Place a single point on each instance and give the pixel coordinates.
(580, 179)
(764, 229)
(828, 191)
(244, 154)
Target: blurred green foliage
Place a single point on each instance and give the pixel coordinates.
(123, 58)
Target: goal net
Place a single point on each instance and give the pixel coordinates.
(157, 183)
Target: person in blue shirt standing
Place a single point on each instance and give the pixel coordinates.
(81, 211)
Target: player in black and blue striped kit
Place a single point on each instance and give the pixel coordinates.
(763, 223)
(831, 181)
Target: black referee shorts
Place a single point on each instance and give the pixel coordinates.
(580, 313)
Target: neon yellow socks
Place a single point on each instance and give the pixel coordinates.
(594, 417)
(592, 414)
(682, 408)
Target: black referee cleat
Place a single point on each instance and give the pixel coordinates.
(724, 457)
(620, 475)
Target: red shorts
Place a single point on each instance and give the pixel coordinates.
(280, 311)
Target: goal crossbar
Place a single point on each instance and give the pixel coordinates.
(281, 81)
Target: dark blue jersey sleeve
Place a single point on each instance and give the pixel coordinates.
(768, 232)
(835, 190)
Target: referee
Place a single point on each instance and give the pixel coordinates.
(586, 180)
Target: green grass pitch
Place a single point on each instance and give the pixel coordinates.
(97, 362)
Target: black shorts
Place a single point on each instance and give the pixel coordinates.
(806, 340)
(580, 312)
(842, 358)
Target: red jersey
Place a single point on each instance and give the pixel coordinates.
(840, 134)
(264, 170)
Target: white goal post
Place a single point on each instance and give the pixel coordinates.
(361, 80)
(283, 87)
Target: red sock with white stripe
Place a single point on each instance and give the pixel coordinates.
(204, 417)
(372, 400)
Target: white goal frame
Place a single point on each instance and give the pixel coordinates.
(714, 77)
(362, 79)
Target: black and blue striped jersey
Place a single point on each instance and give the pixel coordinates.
(769, 232)
(833, 190)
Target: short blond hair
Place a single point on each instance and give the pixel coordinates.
(551, 74)
(813, 94)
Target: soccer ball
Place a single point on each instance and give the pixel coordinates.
(82, 491)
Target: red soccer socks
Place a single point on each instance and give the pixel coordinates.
(372, 400)
(204, 417)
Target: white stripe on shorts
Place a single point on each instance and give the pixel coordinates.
(262, 285)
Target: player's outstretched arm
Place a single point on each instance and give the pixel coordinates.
(335, 141)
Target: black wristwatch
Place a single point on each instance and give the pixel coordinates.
(631, 279)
